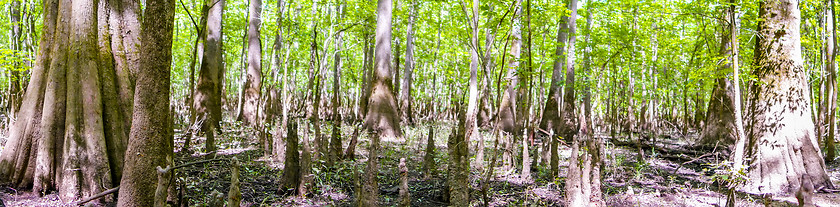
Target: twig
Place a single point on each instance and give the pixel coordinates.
(692, 161)
(198, 162)
(97, 196)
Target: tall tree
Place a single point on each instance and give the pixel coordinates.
(468, 129)
(781, 127)
(720, 117)
(278, 50)
(15, 77)
(86, 130)
(831, 82)
(335, 140)
(405, 93)
(151, 132)
(382, 108)
(506, 118)
(207, 101)
(551, 112)
(253, 78)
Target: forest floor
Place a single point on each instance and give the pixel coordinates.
(626, 180)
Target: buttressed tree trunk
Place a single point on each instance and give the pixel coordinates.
(720, 118)
(506, 115)
(86, 130)
(782, 145)
(382, 106)
(151, 140)
(208, 98)
(568, 126)
(253, 78)
(551, 115)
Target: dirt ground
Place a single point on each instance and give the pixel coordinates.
(661, 179)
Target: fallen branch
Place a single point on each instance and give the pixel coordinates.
(198, 162)
(693, 160)
(97, 196)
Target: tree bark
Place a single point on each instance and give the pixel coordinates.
(405, 93)
(151, 132)
(720, 125)
(335, 140)
(291, 169)
(54, 131)
(831, 84)
(253, 78)
(550, 120)
(208, 98)
(382, 107)
(782, 145)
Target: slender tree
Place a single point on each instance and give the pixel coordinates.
(151, 132)
(405, 93)
(253, 77)
(551, 112)
(831, 82)
(207, 101)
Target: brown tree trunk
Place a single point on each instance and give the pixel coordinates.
(151, 132)
(15, 90)
(291, 169)
(278, 150)
(54, 131)
(550, 120)
(208, 98)
(405, 93)
(720, 118)
(782, 145)
(507, 115)
(458, 168)
(382, 107)
(197, 54)
(335, 140)
(381, 117)
(831, 84)
(253, 77)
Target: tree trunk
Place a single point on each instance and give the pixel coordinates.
(720, 119)
(208, 97)
(831, 84)
(253, 78)
(507, 108)
(15, 73)
(291, 168)
(506, 115)
(278, 150)
(550, 120)
(382, 107)
(459, 187)
(151, 131)
(458, 168)
(567, 128)
(335, 140)
(583, 185)
(54, 131)
(405, 93)
(381, 117)
(197, 54)
(782, 145)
